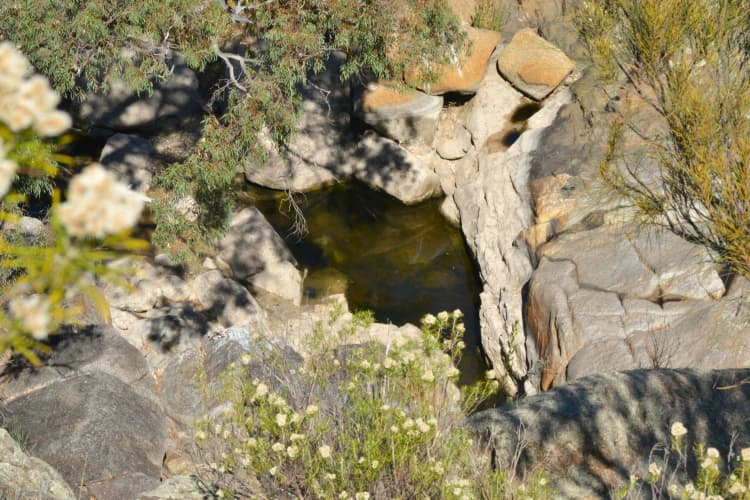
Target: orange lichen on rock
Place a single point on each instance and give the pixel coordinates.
(467, 72)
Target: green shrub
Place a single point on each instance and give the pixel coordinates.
(488, 15)
(371, 421)
(688, 60)
(89, 228)
(82, 47)
(662, 480)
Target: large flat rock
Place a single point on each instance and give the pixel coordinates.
(593, 433)
(96, 431)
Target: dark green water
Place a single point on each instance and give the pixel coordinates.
(399, 262)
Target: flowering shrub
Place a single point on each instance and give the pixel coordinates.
(90, 227)
(663, 477)
(373, 422)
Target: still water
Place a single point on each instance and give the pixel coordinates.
(398, 261)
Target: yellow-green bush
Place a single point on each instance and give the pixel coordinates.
(375, 422)
(90, 227)
(688, 60)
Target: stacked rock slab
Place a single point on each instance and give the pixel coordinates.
(465, 74)
(401, 114)
(533, 65)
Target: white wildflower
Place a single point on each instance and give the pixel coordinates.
(708, 463)
(7, 174)
(325, 451)
(13, 67)
(443, 316)
(17, 113)
(389, 363)
(33, 313)
(292, 451)
(451, 371)
(330, 476)
(745, 454)
(277, 447)
(311, 410)
(245, 358)
(296, 418)
(362, 495)
(37, 91)
(422, 426)
(427, 375)
(99, 205)
(737, 489)
(343, 495)
(678, 430)
(408, 423)
(296, 437)
(273, 470)
(712, 453)
(281, 419)
(654, 470)
(428, 319)
(457, 313)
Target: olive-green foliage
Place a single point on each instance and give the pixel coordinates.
(716, 476)
(369, 422)
(488, 15)
(54, 267)
(689, 60)
(81, 46)
(78, 45)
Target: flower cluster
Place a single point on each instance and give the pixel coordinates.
(33, 312)
(27, 100)
(98, 205)
(7, 169)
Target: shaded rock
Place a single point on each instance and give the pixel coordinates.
(314, 153)
(105, 437)
(24, 476)
(192, 382)
(225, 299)
(684, 270)
(122, 109)
(449, 209)
(489, 111)
(131, 159)
(596, 431)
(456, 146)
(182, 393)
(302, 168)
(169, 331)
(494, 209)
(593, 253)
(179, 488)
(466, 74)
(384, 165)
(533, 65)
(144, 296)
(257, 255)
(452, 138)
(89, 350)
(404, 115)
